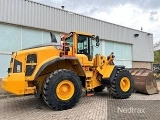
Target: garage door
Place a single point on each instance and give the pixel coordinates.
(97, 50)
(4, 63)
(9, 41)
(122, 52)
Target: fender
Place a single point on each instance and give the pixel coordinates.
(109, 80)
(60, 59)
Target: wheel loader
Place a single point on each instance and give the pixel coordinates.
(57, 72)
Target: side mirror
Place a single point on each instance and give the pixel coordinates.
(97, 41)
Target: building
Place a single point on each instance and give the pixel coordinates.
(25, 23)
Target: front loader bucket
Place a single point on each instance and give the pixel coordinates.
(144, 81)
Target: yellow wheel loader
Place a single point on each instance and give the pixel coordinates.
(57, 72)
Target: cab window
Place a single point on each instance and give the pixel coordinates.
(85, 46)
(82, 44)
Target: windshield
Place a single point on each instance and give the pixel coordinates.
(85, 46)
(82, 44)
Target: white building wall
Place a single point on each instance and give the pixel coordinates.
(143, 48)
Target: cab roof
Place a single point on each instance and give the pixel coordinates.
(82, 33)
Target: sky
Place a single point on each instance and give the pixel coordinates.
(134, 14)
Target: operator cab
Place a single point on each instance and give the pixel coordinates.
(79, 43)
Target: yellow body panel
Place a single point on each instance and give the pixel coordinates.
(17, 83)
(88, 74)
(14, 83)
(83, 59)
(103, 65)
(106, 70)
(94, 80)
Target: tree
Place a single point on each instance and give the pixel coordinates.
(157, 56)
(156, 48)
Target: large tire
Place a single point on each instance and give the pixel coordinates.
(62, 89)
(99, 89)
(122, 86)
